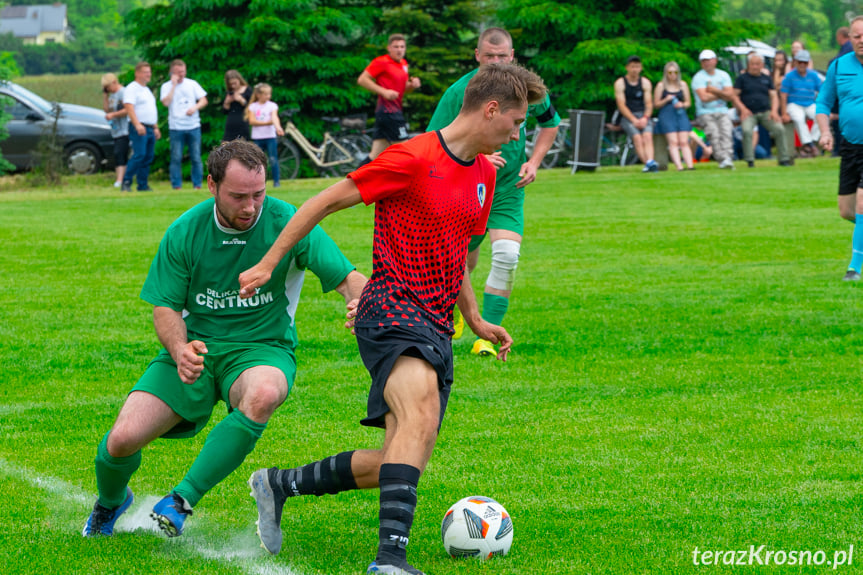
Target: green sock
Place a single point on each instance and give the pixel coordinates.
(494, 308)
(226, 447)
(113, 474)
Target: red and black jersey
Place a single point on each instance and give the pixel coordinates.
(428, 204)
(391, 75)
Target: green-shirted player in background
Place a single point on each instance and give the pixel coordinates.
(514, 172)
(216, 345)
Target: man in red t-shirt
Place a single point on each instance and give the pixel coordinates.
(387, 76)
(431, 195)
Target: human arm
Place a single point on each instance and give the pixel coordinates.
(130, 111)
(166, 95)
(171, 330)
(647, 88)
(413, 84)
(368, 82)
(774, 106)
(658, 100)
(339, 196)
(783, 107)
(824, 103)
(544, 142)
(687, 96)
(199, 105)
(351, 289)
(484, 330)
(106, 105)
(738, 103)
(277, 123)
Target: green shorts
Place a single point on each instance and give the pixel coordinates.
(507, 213)
(223, 364)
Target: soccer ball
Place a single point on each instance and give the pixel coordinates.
(476, 527)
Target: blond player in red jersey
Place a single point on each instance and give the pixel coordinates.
(431, 195)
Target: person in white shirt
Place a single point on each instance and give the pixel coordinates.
(140, 105)
(184, 98)
(713, 91)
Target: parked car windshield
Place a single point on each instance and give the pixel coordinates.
(38, 101)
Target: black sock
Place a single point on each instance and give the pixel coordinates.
(330, 475)
(398, 484)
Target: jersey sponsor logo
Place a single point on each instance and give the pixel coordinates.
(234, 242)
(433, 173)
(231, 299)
(480, 194)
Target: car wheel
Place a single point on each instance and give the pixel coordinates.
(83, 158)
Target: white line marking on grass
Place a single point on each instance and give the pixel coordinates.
(237, 550)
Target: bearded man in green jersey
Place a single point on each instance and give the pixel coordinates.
(216, 345)
(514, 172)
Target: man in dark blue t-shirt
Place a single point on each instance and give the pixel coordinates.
(757, 103)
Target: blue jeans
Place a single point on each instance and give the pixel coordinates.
(143, 148)
(179, 140)
(270, 146)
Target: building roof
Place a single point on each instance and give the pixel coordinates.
(30, 21)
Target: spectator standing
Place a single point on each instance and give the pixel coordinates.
(757, 103)
(115, 113)
(672, 98)
(263, 115)
(713, 90)
(799, 90)
(633, 93)
(238, 94)
(844, 84)
(387, 77)
(140, 105)
(184, 98)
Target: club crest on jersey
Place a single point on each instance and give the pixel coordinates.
(480, 194)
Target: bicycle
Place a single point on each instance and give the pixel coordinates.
(617, 148)
(561, 144)
(340, 152)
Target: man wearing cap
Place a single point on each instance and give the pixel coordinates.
(799, 89)
(633, 93)
(713, 90)
(844, 85)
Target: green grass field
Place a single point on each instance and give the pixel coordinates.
(81, 89)
(685, 375)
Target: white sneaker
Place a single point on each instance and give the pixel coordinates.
(117, 184)
(727, 163)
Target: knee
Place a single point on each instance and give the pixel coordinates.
(847, 213)
(122, 442)
(504, 261)
(263, 399)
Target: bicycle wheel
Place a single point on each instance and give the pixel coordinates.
(289, 159)
(552, 157)
(610, 151)
(358, 147)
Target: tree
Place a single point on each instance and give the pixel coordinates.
(579, 47)
(310, 51)
(790, 19)
(8, 70)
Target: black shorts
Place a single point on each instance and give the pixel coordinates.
(390, 126)
(850, 168)
(121, 150)
(380, 347)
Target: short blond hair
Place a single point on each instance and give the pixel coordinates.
(510, 85)
(108, 79)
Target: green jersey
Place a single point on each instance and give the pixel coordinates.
(513, 152)
(199, 261)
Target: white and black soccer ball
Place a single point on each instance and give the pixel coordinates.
(476, 527)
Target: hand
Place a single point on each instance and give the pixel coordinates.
(140, 129)
(108, 117)
(786, 119)
(389, 94)
(494, 334)
(351, 315)
(640, 123)
(280, 132)
(191, 362)
(745, 113)
(157, 133)
(252, 279)
(774, 117)
(414, 83)
(175, 79)
(527, 173)
(496, 159)
(826, 141)
(191, 111)
(230, 97)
